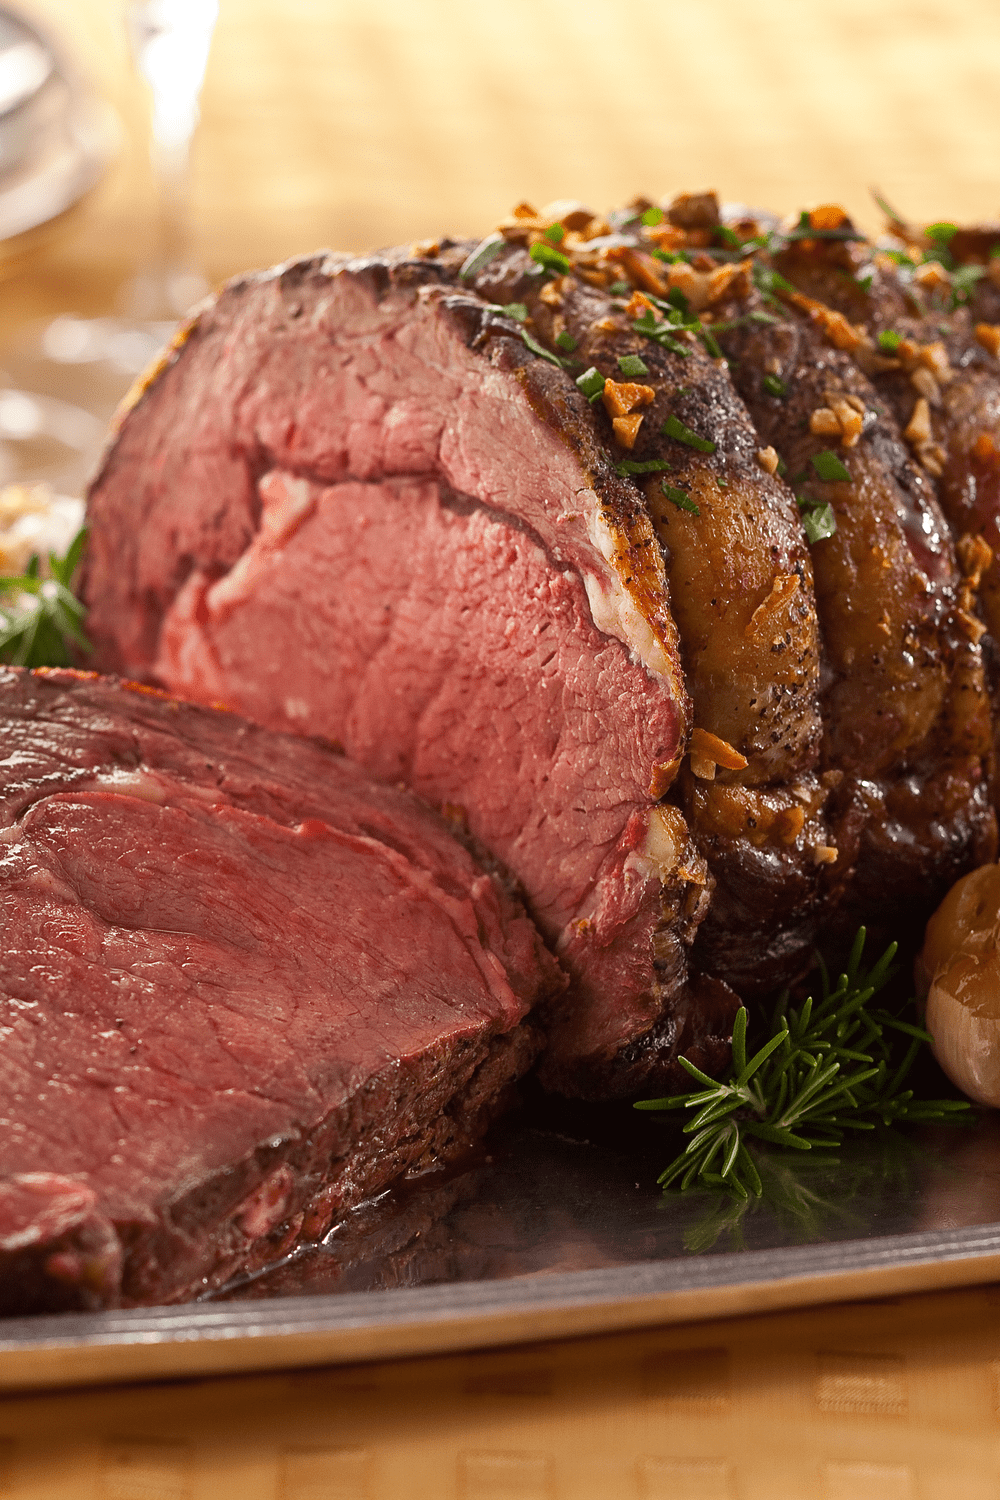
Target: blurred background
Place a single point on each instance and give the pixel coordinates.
(333, 123)
(328, 122)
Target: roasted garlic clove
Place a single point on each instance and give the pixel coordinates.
(959, 970)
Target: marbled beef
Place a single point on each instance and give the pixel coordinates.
(241, 988)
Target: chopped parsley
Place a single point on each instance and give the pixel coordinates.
(591, 383)
(631, 365)
(620, 288)
(890, 340)
(680, 498)
(818, 521)
(727, 236)
(711, 342)
(782, 468)
(547, 256)
(674, 428)
(566, 341)
(829, 467)
(555, 234)
(516, 310)
(488, 250)
(671, 256)
(773, 385)
(641, 466)
(661, 333)
(963, 279)
(652, 216)
(537, 348)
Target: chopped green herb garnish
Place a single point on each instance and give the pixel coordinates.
(544, 254)
(727, 236)
(537, 348)
(620, 288)
(899, 258)
(826, 1067)
(39, 617)
(963, 279)
(641, 466)
(782, 468)
(829, 467)
(566, 341)
(671, 256)
(773, 385)
(652, 216)
(516, 310)
(889, 339)
(941, 233)
(769, 281)
(631, 365)
(677, 299)
(555, 234)
(711, 342)
(674, 428)
(865, 278)
(818, 521)
(591, 383)
(481, 256)
(680, 498)
(723, 484)
(662, 333)
(763, 317)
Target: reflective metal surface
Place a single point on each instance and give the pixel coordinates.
(558, 1228)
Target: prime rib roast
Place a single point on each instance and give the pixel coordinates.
(243, 987)
(650, 546)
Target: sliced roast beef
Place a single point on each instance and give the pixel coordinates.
(243, 987)
(506, 522)
(354, 503)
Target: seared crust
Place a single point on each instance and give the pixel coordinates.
(838, 683)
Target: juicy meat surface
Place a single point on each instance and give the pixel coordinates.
(242, 986)
(390, 523)
(631, 539)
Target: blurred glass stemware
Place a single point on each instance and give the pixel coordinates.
(87, 364)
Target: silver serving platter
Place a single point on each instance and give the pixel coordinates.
(557, 1229)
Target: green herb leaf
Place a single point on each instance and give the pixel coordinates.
(683, 501)
(661, 333)
(963, 279)
(548, 256)
(826, 1067)
(652, 216)
(516, 310)
(555, 233)
(641, 466)
(727, 236)
(631, 365)
(890, 340)
(773, 385)
(829, 467)
(671, 257)
(941, 233)
(819, 522)
(620, 288)
(591, 383)
(566, 341)
(488, 250)
(40, 617)
(537, 348)
(674, 428)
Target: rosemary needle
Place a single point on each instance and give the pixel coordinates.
(827, 1067)
(41, 617)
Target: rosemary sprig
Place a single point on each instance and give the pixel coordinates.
(39, 617)
(826, 1067)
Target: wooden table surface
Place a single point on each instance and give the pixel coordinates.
(334, 123)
